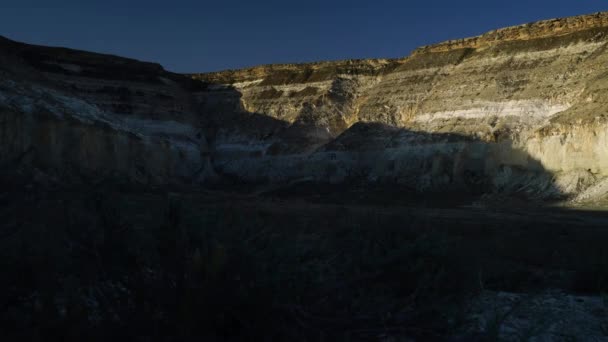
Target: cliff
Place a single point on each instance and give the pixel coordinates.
(519, 109)
(89, 117)
(525, 103)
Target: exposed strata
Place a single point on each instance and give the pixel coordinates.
(535, 30)
(519, 109)
(528, 98)
(90, 117)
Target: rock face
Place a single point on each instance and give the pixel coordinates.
(520, 109)
(89, 117)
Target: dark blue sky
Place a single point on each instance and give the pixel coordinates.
(207, 35)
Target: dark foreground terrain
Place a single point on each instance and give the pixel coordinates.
(107, 262)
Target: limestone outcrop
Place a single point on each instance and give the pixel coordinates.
(519, 109)
(522, 107)
(87, 117)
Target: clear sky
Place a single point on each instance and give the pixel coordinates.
(208, 35)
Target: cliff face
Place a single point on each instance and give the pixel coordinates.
(517, 109)
(81, 116)
(527, 103)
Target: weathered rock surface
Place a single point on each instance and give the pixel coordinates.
(91, 117)
(520, 109)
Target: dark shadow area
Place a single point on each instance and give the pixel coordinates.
(113, 263)
(306, 261)
(222, 112)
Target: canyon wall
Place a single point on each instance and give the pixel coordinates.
(85, 117)
(520, 109)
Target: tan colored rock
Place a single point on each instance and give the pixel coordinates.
(531, 97)
(523, 108)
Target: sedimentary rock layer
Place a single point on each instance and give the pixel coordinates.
(528, 99)
(82, 116)
(517, 109)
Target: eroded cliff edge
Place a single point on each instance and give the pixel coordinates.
(520, 109)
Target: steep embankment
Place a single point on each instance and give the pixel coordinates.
(81, 116)
(522, 108)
